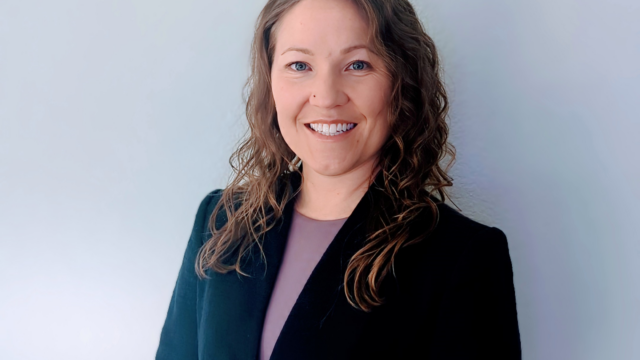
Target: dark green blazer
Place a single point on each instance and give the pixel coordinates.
(452, 297)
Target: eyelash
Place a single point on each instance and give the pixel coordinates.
(368, 66)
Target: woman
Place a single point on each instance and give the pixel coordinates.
(333, 241)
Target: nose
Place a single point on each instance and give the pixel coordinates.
(327, 91)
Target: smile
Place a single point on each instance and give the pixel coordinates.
(331, 129)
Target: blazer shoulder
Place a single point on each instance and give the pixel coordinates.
(211, 200)
(454, 223)
(203, 215)
(456, 233)
(458, 247)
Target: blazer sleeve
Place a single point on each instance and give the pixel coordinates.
(179, 336)
(479, 320)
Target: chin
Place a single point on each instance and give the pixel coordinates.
(328, 168)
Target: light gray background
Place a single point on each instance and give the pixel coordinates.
(117, 117)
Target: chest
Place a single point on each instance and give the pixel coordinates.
(322, 324)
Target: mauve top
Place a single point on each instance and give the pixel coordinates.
(307, 241)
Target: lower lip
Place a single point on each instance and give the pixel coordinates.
(337, 137)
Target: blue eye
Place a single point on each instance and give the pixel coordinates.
(359, 65)
(299, 66)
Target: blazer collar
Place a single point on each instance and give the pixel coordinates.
(315, 302)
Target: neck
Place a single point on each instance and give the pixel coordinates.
(329, 197)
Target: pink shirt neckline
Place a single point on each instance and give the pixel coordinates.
(310, 218)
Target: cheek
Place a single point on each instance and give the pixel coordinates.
(287, 109)
(372, 95)
(373, 103)
(286, 99)
(279, 96)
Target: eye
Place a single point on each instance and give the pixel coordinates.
(297, 66)
(359, 65)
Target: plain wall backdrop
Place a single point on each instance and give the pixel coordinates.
(117, 117)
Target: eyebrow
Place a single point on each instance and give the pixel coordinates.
(342, 52)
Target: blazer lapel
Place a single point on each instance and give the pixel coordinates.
(236, 304)
(322, 324)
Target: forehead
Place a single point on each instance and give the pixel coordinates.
(322, 26)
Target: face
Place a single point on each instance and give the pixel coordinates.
(331, 93)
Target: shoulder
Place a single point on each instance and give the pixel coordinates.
(208, 203)
(456, 227)
(457, 242)
(462, 234)
(203, 215)
(211, 199)
(459, 253)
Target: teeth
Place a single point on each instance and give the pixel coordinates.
(331, 130)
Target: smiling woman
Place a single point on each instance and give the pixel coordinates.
(333, 240)
(324, 75)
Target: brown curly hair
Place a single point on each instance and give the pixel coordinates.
(410, 160)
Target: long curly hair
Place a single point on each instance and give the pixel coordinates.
(411, 160)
